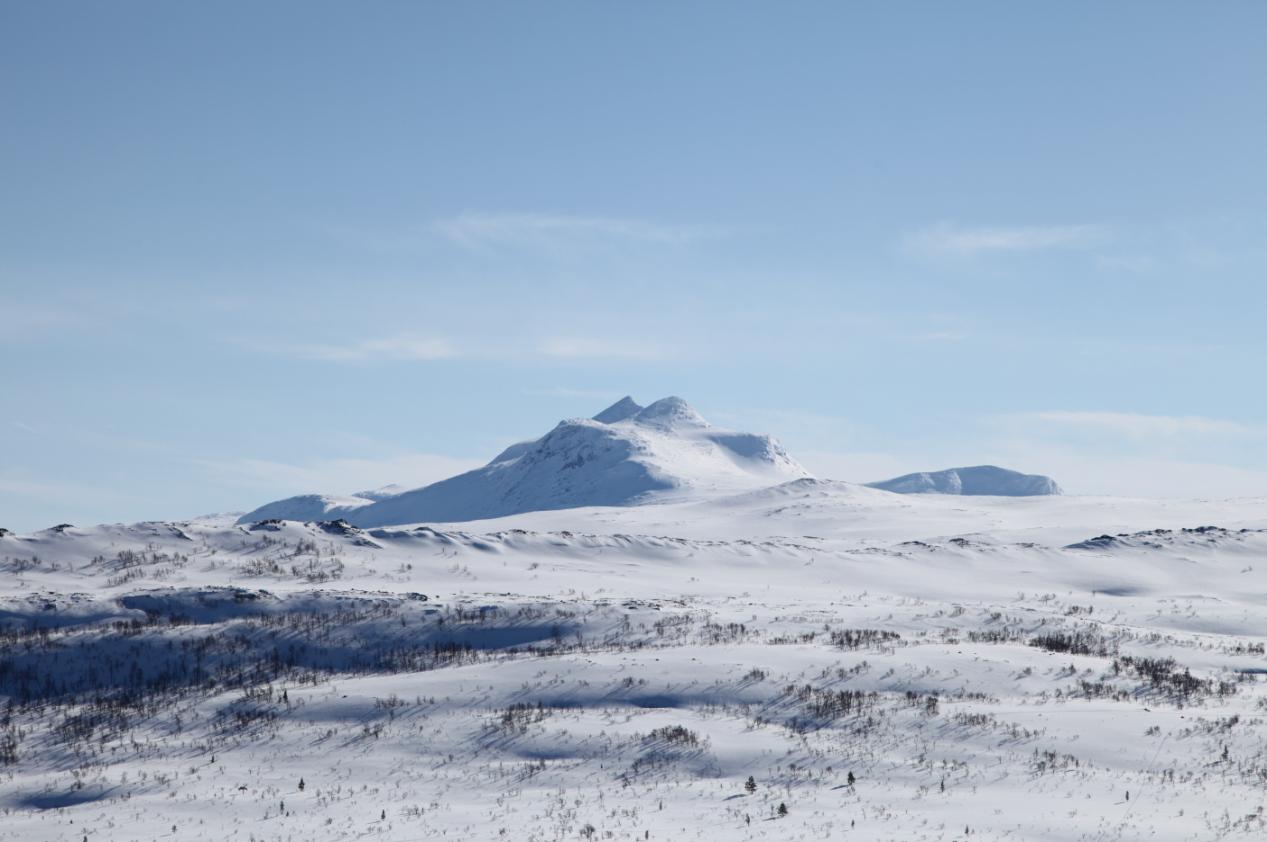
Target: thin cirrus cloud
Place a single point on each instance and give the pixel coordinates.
(406, 348)
(1140, 425)
(964, 241)
(24, 488)
(23, 321)
(609, 395)
(343, 476)
(580, 348)
(545, 230)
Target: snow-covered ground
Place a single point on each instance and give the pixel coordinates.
(884, 666)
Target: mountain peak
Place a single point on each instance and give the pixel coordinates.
(621, 410)
(670, 412)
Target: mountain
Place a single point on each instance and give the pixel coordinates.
(308, 507)
(621, 410)
(625, 455)
(982, 480)
(321, 506)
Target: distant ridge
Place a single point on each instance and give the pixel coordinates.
(981, 480)
(625, 455)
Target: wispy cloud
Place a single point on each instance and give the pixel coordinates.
(942, 336)
(65, 494)
(428, 348)
(1133, 454)
(368, 350)
(858, 467)
(575, 348)
(25, 321)
(566, 392)
(1136, 264)
(1140, 425)
(947, 239)
(337, 476)
(1087, 452)
(789, 424)
(546, 230)
(1148, 473)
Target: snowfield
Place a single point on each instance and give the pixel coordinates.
(884, 666)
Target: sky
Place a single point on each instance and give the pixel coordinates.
(249, 250)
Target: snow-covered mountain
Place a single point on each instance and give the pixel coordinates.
(320, 506)
(625, 455)
(981, 480)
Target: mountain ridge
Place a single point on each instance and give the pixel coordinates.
(627, 454)
(978, 480)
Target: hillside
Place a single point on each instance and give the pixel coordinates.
(886, 666)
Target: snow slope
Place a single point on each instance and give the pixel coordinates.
(922, 667)
(625, 455)
(308, 507)
(880, 666)
(982, 480)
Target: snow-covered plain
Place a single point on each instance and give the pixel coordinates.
(979, 668)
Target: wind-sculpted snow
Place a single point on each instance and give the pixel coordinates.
(884, 666)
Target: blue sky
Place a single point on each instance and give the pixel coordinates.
(255, 249)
